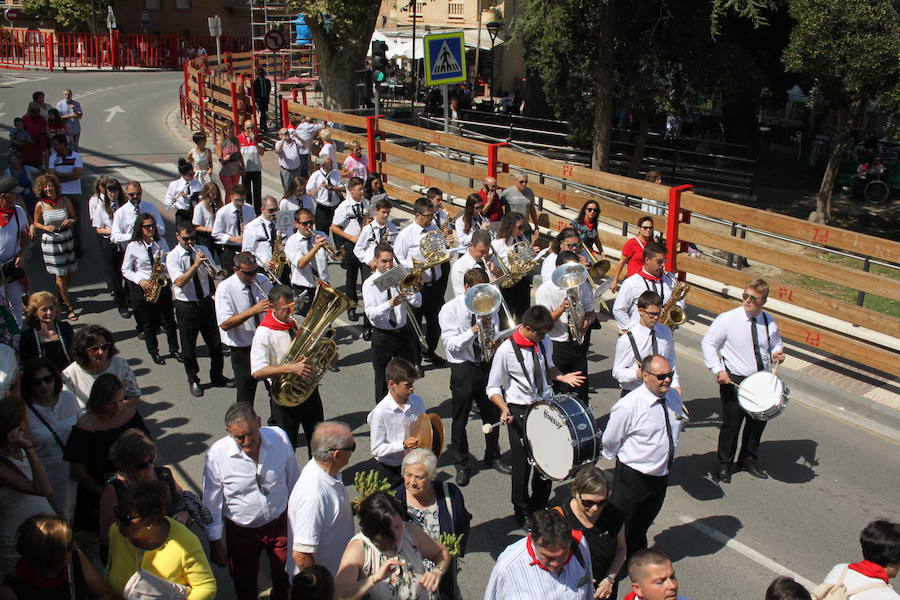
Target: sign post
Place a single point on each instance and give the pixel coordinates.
(274, 41)
(215, 30)
(445, 64)
(11, 14)
(110, 25)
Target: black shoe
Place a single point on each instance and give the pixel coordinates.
(462, 476)
(522, 521)
(195, 389)
(124, 312)
(367, 334)
(754, 470)
(141, 335)
(157, 358)
(498, 465)
(177, 356)
(724, 475)
(352, 315)
(222, 382)
(436, 360)
(420, 372)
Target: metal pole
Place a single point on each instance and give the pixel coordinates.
(275, 87)
(415, 69)
(219, 52)
(377, 99)
(493, 73)
(477, 50)
(446, 93)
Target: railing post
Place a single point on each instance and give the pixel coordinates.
(861, 296)
(371, 143)
(294, 94)
(201, 99)
(303, 91)
(235, 114)
(674, 216)
(285, 116)
(48, 50)
(492, 158)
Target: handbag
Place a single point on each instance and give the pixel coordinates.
(143, 585)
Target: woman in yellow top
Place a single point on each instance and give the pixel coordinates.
(169, 549)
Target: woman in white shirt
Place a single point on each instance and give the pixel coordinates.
(518, 295)
(94, 353)
(102, 211)
(204, 217)
(471, 220)
(295, 197)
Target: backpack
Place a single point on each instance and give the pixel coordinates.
(838, 590)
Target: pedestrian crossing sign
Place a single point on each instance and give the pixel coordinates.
(445, 58)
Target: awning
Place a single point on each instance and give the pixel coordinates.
(400, 42)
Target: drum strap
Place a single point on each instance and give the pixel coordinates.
(634, 348)
(536, 356)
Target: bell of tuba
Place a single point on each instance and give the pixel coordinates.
(314, 343)
(520, 260)
(483, 300)
(673, 315)
(569, 277)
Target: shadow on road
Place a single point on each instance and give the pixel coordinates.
(682, 541)
(694, 473)
(789, 461)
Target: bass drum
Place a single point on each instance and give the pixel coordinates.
(763, 395)
(561, 436)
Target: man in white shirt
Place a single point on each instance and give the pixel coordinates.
(652, 277)
(287, 149)
(568, 354)
(870, 578)
(391, 337)
(319, 513)
(652, 576)
(476, 255)
(247, 480)
(190, 269)
(127, 214)
(241, 300)
(228, 226)
(739, 343)
(271, 343)
(647, 337)
(642, 435)
(552, 562)
(325, 187)
(259, 234)
(350, 216)
(305, 133)
(67, 166)
(379, 231)
(71, 113)
(520, 372)
(13, 246)
(469, 370)
(306, 254)
(183, 192)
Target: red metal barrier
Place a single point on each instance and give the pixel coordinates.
(675, 216)
(24, 49)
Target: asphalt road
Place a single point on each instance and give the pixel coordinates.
(829, 476)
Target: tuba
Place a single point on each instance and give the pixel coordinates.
(314, 343)
(569, 277)
(483, 300)
(157, 279)
(520, 260)
(672, 314)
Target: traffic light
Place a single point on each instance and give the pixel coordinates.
(379, 60)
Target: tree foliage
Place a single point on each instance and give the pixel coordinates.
(70, 14)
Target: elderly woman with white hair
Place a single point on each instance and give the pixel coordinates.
(435, 506)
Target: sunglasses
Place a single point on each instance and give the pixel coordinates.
(590, 210)
(575, 245)
(305, 223)
(589, 504)
(249, 273)
(133, 194)
(753, 299)
(39, 380)
(351, 448)
(662, 376)
(143, 465)
(104, 347)
(653, 313)
(646, 226)
(123, 517)
(188, 238)
(149, 226)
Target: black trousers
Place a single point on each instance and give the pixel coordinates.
(353, 267)
(252, 180)
(324, 217)
(432, 301)
(518, 299)
(304, 165)
(193, 318)
(640, 497)
(244, 383)
(306, 415)
(112, 267)
(569, 357)
(152, 314)
(733, 416)
(228, 253)
(301, 307)
(385, 346)
(467, 384)
(522, 471)
(262, 104)
(392, 474)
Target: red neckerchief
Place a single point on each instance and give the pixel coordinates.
(521, 340)
(272, 323)
(590, 226)
(6, 214)
(27, 574)
(534, 559)
(50, 201)
(648, 276)
(870, 569)
(631, 596)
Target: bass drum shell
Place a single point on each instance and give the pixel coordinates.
(763, 395)
(561, 436)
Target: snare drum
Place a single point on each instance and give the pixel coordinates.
(561, 436)
(763, 396)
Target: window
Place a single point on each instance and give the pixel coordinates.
(456, 9)
(152, 4)
(182, 4)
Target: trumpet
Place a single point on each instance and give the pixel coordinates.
(217, 274)
(334, 254)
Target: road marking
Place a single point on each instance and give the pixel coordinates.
(1, 108)
(112, 112)
(745, 550)
(10, 80)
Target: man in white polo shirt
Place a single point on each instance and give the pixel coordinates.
(66, 164)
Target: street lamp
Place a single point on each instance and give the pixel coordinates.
(493, 28)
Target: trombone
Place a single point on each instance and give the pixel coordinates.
(411, 316)
(269, 273)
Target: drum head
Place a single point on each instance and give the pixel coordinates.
(760, 393)
(550, 441)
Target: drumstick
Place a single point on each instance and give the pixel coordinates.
(486, 429)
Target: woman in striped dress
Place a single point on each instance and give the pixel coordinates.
(55, 216)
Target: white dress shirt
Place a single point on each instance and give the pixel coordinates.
(269, 347)
(232, 481)
(728, 343)
(507, 378)
(100, 219)
(178, 261)
(295, 248)
(548, 266)
(515, 577)
(293, 204)
(636, 433)
(233, 297)
(406, 248)
(179, 186)
(349, 216)
(203, 217)
(378, 308)
(390, 424)
(458, 271)
(456, 330)
(551, 297)
(257, 235)
(371, 236)
(625, 308)
(321, 195)
(626, 363)
(127, 214)
(304, 133)
(228, 224)
(320, 518)
(463, 238)
(441, 218)
(136, 264)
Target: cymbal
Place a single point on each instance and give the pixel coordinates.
(429, 431)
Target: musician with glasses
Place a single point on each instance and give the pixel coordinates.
(652, 277)
(511, 232)
(229, 224)
(471, 220)
(469, 370)
(379, 231)
(477, 255)
(520, 374)
(568, 353)
(648, 336)
(247, 480)
(739, 343)
(306, 253)
(633, 252)
(191, 268)
(241, 301)
(350, 216)
(642, 435)
(126, 215)
(566, 240)
(259, 235)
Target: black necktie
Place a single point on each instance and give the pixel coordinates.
(198, 287)
(150, 255)
(357, 213)
(671, 459)
(653, 346)
(252, 304)
(392, 320)
(476, 347)
(538, 372)
(759, 361)
(382, 235)
(312, 263)
(272, 236)
(239, 215)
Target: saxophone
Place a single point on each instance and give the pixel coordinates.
(157, 279)
(279, 258)
(673, 315)
(314, 343)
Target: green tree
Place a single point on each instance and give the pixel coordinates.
(850, 51)
(341, 31)
(70, 14)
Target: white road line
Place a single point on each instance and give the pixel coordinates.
(745, 550)
(149, 184)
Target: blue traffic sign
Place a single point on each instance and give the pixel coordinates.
(445, 58)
